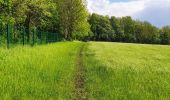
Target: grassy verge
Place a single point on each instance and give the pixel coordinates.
(38, 73)
(127, 71)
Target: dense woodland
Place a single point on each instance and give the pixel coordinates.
(72, 19)
(126, 29)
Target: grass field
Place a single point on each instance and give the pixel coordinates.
(105, 71)
(38, 73)
(127, 71)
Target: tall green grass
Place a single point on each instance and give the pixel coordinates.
(111, 71)
(38, 73)
(116, 71)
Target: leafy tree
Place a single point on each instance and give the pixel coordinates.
(94, 21)
(138, 31)
(101, 27)
(36, 12)
(27, 13)
(127, 25)
(165, 35)
(73, 17)
(115, 23)
(5, 10)
(149, 33)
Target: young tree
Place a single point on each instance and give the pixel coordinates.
(73, 17)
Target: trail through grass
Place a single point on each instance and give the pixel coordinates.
(92, 71)
(80, 89)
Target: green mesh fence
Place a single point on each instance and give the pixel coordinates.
(11, 36)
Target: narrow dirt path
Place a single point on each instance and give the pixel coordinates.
(80, 91)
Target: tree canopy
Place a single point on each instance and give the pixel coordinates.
(126, 29)
(72, 19)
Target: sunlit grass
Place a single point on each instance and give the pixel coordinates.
(127, 71)
(39, 72)
(112, 71)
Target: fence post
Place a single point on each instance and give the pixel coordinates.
(54, 38)
(57, 36)
(33, 40)
(46, 37)
(23, 33)
(8, 35)
(40, 37)
(0, 39)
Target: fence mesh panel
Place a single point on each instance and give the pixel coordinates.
(11, 36)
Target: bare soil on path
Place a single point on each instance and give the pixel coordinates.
(80, 91)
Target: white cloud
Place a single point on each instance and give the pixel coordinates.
(105, 7)
(139, 9)
(157, 12)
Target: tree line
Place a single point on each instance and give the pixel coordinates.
(72, 19)
(125, 29)
(67, 17)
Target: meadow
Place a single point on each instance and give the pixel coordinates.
(107, 71)
(38, 73)
(121, 71)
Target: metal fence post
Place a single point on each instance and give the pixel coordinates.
(8, 35)
(54, 37)
(46, 37)
(40, 37)
(0, 39)
(33, 40)
(57, 36)
(23, 33)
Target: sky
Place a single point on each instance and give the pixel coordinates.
(156, 12)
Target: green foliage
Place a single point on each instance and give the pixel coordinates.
(73, 18)
(147, 33)
(127, 25)
(165, 35)
(115, 23)
(124, 29)
(101, 27)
